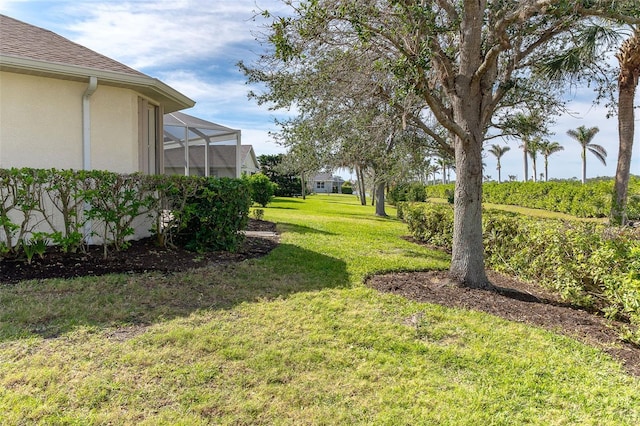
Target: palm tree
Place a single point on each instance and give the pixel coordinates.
(584, 136)
(548, 148)
(446, 163)
(629, 59)
(533, 148)
(498, 151)
(575, 60)
(435, 169)
(526, 126)
(530, 148)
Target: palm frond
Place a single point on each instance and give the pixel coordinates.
(583, 134)
(583, 51)
(498, 151)
(547, 148)
(599, 152)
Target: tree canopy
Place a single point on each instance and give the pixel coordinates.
(464, 64)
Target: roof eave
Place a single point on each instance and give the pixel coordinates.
(169, 98)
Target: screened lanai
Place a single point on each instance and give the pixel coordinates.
(195, 147)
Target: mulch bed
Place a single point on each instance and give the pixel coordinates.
(518, 301)
(143, 256)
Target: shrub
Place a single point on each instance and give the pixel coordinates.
(400, 210)
(416, 192)
(39, 207)
(258, 214)
(347, 188)
(571, 197)
(439, 191)
(262, 189)
(116, 200)
(214, 215)
(173, 193)
(397, 194)
(413, 192)
(586, 263)
(431, 223)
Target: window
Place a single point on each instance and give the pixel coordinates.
(319, 185)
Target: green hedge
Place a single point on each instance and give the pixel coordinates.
(414, 191)
(62, 207)
(347, 188)
(571, 197)
(588, 264)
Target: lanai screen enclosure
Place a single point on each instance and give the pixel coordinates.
(195, 147)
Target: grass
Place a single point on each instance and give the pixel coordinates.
(292, 338)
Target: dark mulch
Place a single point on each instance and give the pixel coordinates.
(515, 301)
(142, 256)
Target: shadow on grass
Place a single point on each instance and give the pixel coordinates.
(342, 200)
(278, 200)
(301, 229)
(280, 203)
(53, 307)
(434, 254)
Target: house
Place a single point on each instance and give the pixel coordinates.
(210, 149)
(326, 183)
(63, 105)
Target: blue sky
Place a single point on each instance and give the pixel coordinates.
(194, 46)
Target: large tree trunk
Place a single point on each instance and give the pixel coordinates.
(467, 260)
(472, 93)
(627, 83)
(626, 131)
(379, 196)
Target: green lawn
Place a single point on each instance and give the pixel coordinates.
(292, 338)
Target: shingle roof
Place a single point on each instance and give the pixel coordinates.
(20, 39)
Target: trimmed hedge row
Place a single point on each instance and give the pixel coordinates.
(571, 197)
(586, 263)
(66, 207)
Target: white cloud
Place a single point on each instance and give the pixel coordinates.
(192, 46)
(222, 101)
(146, 34)
(262, 143)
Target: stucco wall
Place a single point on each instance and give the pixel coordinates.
(41, 124)
(114, 129)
